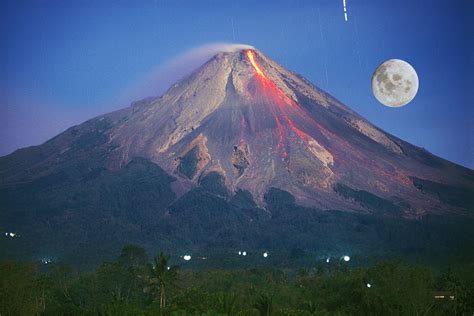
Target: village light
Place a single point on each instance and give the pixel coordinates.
(46, 261)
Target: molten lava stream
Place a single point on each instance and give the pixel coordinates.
(274, 95)
(288, 107)
(251, 58)
(284, 102)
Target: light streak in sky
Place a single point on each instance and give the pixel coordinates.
(322, 40)
(345, 10)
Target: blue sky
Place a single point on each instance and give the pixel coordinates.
(63, 62)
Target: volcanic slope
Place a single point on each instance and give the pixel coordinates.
(254, 125)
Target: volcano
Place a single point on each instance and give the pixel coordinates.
(238, 148)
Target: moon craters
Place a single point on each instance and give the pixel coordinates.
(395, 83)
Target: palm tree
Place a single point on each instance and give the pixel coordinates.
(264, 305)
(310, 307)
(227, 303)
(160, 276)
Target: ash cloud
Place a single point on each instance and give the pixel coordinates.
(32, 119)
(158, 80)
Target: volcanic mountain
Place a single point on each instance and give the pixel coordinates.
(240, 130)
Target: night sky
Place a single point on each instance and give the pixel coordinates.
(62, 62)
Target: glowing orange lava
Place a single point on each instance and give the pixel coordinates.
(285, 111)
(279, 104)
(254, 64)
(290, 116)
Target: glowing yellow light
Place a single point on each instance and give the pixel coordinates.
(254, 64)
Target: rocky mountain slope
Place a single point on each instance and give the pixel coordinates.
(225, 139)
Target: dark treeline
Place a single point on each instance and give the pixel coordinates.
(135, 285)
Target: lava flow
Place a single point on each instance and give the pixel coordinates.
(275, 96)
(254, 64)
(285, 111)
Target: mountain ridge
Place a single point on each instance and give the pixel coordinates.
(227, 102)
(232, 154)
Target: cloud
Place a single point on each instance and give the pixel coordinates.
(31, 119)
(159, 79)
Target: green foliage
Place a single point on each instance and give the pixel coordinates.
(214, 183)
(117, 288)
(188, 163)
(226, 303)
(461, 197)
(399, 289)
(461, 284)
(20, 291)
(159, 277)
(264, 305)
(368, 199)
(87, 219)
(83, 213)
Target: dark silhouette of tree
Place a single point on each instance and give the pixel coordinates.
(160, 276)
(125, 287)
(227, 303)
(264, 305)
(310, 307)
(19, 293)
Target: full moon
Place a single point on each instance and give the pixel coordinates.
(395, 83)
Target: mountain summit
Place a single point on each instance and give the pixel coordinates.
(247, 121)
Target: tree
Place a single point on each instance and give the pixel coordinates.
(160, 276)
(264, 305)
(227, 303)
(19, 292)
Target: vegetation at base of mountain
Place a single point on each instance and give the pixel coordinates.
(452, 195)
(187, 165)
(130, 285)
(82, 218)
(369, 200)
